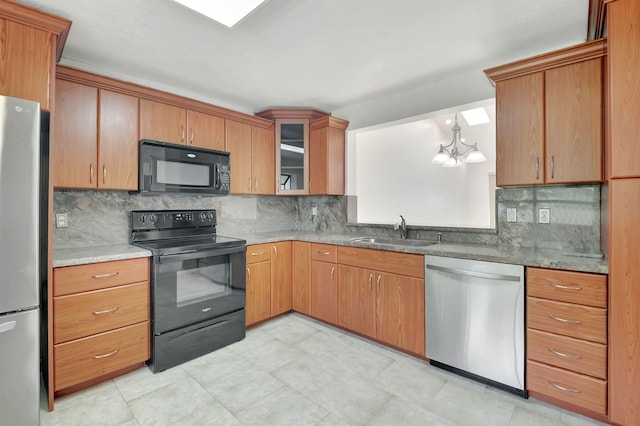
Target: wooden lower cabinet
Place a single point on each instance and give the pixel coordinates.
(301, 276)
(100, 321)
(357, 299)
(324, 296)
(258, 304)
(84, 359)
(567, 342)
(269, 290)
(400, 312)
(387, 307)
(281, 292)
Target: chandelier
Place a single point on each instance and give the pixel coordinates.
(451, 156)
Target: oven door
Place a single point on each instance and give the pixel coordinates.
(193, 286)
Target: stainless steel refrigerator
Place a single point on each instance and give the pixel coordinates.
(22, 254)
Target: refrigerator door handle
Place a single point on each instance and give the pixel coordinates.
(7, 326)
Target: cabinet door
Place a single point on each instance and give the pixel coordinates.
(520, 130)
(324, 291)
(281, 293)
(258, 305)
(356, 300)
(74, 151)
(573, 110)
(301, 276)
(205, 130)
(162, 122)
(262, 160)
(118, 137)
(25, 62)
(238, 143)
(400, 311)
(326, 161)
(623, 33)
(624, 301)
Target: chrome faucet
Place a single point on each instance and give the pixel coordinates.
(403, 228)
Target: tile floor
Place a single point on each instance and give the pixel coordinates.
(296, 371)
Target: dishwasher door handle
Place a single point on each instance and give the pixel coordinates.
(456, 271)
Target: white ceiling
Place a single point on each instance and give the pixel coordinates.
(330, 55)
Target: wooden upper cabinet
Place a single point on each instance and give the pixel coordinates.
(573, 106)
(309, 152)
(327, 156)
(238, 143)
(118, 141)
(88, 152)
(74, 149)
(162, 122)
(549, 117)
(205, 130)
(262, 160)
(31, 43)
(623, 33)
(520, 130)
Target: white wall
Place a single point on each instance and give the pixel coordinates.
(390, 172)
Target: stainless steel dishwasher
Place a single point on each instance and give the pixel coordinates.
(474, 313)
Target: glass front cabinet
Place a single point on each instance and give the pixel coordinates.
(310, 151)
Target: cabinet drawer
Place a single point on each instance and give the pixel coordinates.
(574, 388)
(84, 314)
(566, 286)
(583, 322)
(386, 261)
(324, 252)
(94, 276)
(84, 359)
(258, 253)
(572, 354)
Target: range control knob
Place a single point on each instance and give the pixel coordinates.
(153, 218)
(202, 216)
(142, 218)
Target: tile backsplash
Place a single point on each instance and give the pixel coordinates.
(103, 217)
(574, 217)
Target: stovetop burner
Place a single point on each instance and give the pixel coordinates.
(168, 230)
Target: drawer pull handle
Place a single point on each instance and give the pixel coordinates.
(562, 388)
(106, 355)
(257, 253)
(553, 351)
(565, 287)
(324, 253)
(370, 281)
(108, 311)
(553, 317)
(113, 274)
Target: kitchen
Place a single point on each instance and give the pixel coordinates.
(94, 215)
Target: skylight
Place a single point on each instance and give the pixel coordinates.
(476, 116)
(227, 12)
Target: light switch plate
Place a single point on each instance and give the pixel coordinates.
(511, 214)
(544, 215)
(314, 211)
(61, 220)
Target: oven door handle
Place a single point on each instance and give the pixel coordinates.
(178, 257)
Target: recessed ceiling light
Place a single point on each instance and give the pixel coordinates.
(227, 12)
(476, 116)
(448, 121)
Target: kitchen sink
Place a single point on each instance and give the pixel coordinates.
(392, 241)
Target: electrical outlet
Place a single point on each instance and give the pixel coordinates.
(61, 220)
(511, 215)
(544, 215)
(314, 211)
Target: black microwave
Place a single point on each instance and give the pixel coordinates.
(180, 169)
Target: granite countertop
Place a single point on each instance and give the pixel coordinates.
(543, 258)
